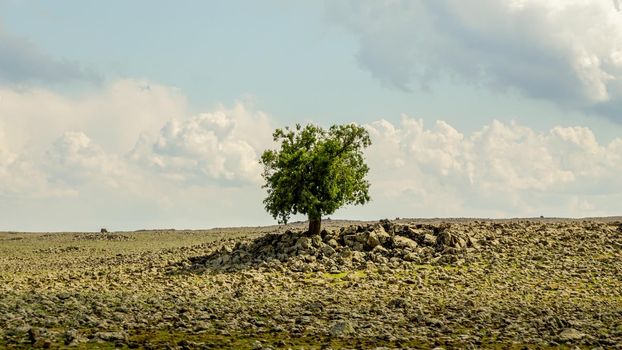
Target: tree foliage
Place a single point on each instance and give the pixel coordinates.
(316, 171)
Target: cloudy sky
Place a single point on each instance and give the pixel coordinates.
(144, 114)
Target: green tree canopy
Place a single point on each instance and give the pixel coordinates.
(315, 172)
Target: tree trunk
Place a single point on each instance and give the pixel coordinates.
(314, 226)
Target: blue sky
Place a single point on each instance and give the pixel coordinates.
(503, 109)
(289, 57)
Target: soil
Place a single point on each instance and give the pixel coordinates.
(409, 283)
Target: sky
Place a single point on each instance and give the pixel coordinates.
(153, 114)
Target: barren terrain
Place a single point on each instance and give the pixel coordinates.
(460, 283)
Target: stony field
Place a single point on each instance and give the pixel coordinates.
(503, 284)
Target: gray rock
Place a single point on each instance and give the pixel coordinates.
(434, 322)
(472, 242)
(410, 256)
(358, 256)
(361, 237)
(358, 247)
(380, 250)
(349, 240)
(401, 242)
(316, 241)
(111, 336)
(327, 250)
(372, 240)
(429, 239)
(398, 303)
(570, 335)
(450, 239)
(332, 243)
(383, 236)
(345, 253)
(341, 329)
(303, 243)
(34, 335)
(379, 259)
(70, 336)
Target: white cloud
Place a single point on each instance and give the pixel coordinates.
(132, 122)
(500, 170)
(20, 178)
(127, 151)
(566, 51)
(132, 156)
(74, 159)
(222, 146)
(112, 115)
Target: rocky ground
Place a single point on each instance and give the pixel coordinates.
(404, 284)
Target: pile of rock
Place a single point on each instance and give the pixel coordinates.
(358, 246)
(102, 237)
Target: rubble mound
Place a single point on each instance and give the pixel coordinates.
(118, 237)
(356, 246)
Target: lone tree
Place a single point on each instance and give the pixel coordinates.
(315, 172)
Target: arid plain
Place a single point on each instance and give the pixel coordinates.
(409, 283)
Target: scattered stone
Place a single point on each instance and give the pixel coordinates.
(111, 336)
(502, 283)
(400, 242)
(332, 243)
(327, 250)
(449, 239)
(429, 239)
(382, 234)
(34, 334)
(570, 335)
(372, 240)
(398, 303)
(69, 336)
(341, 329)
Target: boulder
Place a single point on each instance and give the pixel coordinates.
(410, 256)
(303, 243)
(358, 256)
(429, 239)
(386, 224)
(402, 242)
(111, 336)
(349, 240)
(341, 329)
(398, 303)
(316, 241)
(570, 335)
(332, 243)
(382, 234)
(447, 238)
(380, 250)
(372, 240)
(327, 250)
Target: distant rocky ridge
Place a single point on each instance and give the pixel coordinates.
(355, 246)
